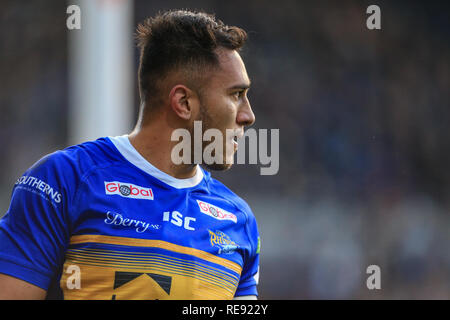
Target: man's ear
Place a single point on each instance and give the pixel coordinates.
(181, 101)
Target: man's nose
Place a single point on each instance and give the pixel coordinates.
(245, 116)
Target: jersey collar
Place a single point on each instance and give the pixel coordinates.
(124, 146)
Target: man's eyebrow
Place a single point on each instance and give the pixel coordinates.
(240, 86)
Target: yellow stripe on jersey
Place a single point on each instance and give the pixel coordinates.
(136, 259)
(133, 242)
(116, 274)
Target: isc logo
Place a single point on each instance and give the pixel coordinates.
(177, 219)
(128, 190)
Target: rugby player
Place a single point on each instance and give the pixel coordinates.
(115, 218)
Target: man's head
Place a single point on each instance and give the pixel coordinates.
(190, 64)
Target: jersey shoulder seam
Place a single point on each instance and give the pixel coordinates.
(86, 175)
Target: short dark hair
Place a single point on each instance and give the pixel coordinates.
(181, 40)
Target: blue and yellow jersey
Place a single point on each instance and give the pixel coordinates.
(98, 221)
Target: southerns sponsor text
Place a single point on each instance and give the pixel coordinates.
(40, 185)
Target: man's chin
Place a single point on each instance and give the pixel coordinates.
(218, 167)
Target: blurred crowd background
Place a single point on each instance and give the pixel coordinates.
(364, 135)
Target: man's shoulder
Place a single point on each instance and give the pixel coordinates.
(225, 192)
(76, 160)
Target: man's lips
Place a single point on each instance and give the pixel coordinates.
(237, 134)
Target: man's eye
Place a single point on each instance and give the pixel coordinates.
(238, 94)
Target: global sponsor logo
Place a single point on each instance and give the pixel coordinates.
(114, 218)
(34, 184)
(128, 190)
(216, 212)
(223, 242)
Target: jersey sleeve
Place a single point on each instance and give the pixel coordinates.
(250, 272)
(34, 232)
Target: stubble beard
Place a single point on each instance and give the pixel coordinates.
(207, 121)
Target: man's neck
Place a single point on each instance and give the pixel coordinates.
(153, 142)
